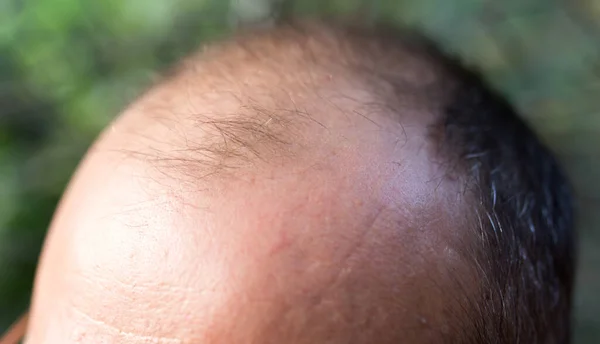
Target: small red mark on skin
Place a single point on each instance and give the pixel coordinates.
(283, 243)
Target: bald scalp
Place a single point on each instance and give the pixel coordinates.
(306, 184)
(267, 191)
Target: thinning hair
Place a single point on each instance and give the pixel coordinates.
(522, 241)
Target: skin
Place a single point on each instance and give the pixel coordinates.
(347, 232)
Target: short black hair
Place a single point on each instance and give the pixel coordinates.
(525, 207)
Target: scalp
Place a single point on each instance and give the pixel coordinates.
(281, 187)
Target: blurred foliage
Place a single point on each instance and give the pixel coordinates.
(68, 66)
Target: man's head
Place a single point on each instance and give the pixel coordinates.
(312, 184)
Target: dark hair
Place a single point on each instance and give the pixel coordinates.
(525, 207)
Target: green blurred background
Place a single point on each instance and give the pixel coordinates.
(68, 66)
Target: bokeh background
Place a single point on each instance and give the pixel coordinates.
(68, 66)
